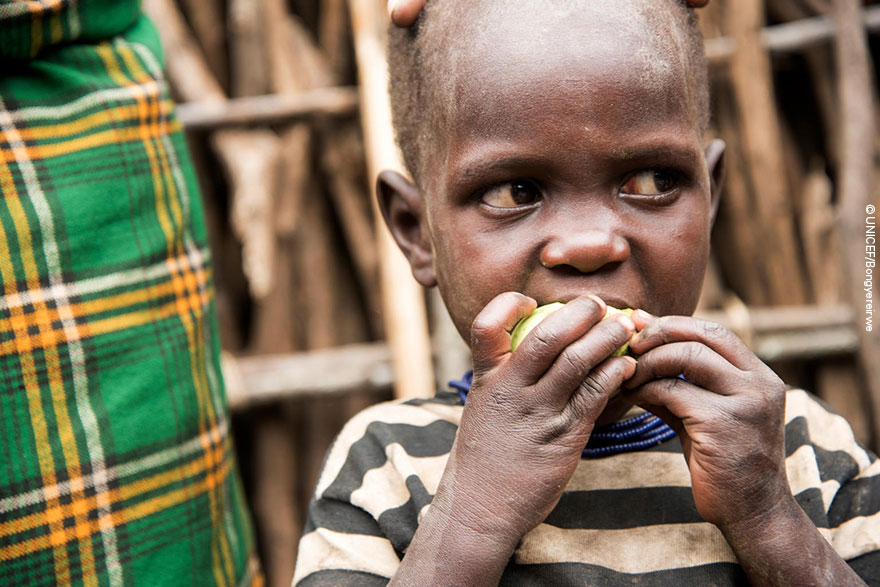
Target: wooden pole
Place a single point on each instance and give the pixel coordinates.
(858, 126)
(752, 81)
(206, 19)
(268, 109)
(453, 357)
(736, 220)
(276, 464)
(789, 37)
(403, 299)
(342, 160)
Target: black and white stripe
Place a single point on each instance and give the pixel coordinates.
(624, 519)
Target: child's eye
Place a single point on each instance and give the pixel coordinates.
(512, 194)
(650, 183)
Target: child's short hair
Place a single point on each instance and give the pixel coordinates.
(422, 57)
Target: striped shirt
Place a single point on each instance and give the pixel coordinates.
(624, 519)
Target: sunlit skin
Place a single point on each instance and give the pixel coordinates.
(404, 12)
(565, 174)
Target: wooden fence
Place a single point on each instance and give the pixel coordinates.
(288, 122)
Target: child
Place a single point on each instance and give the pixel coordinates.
(557, 150)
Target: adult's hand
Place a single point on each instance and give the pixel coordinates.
(404, 12)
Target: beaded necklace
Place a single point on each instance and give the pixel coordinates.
(630, 435)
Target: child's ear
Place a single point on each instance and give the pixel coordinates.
(402, 208)
(715, 163)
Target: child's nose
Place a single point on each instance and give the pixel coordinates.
(585, 249)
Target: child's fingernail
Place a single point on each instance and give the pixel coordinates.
(633, 365)
(599, 301)
(626, 321)
(644, 315)
(392, 6)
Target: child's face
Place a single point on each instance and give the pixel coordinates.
(572, 163)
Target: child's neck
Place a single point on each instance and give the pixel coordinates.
(617, 409)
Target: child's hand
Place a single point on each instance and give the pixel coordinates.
(530, 413)
(729, 414)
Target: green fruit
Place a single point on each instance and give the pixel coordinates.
(611, 312)
(524, 326)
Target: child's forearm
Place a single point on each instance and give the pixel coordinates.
(454, 550)
(783, 547)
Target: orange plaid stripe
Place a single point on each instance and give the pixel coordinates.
(127, 309)
(210, 469)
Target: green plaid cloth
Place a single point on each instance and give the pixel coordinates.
(116, 465)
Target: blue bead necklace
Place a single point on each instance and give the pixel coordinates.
(637, 433)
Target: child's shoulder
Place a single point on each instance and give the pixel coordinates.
(386, 431)
(810, 421)
(821, 449)
(835, 480)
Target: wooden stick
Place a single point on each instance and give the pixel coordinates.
(251, 160)
(274, 463)
(354, 212)
(791, 332)
(260, 379)
(404, 306)
(189, 74)
(273, 326)
(807, 344)
(452, 354)
(819, 59)
(766, 320)
(857, 126)
(269, 109)
(297, 66)
(837, 382)
(713, 293)
(819, 237)
(753, 86)
(247, 49)
(253, 212)
(334, 37)
(741, 255)
(206, 17)
(789, 37)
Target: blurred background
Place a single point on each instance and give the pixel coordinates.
(283, 103)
